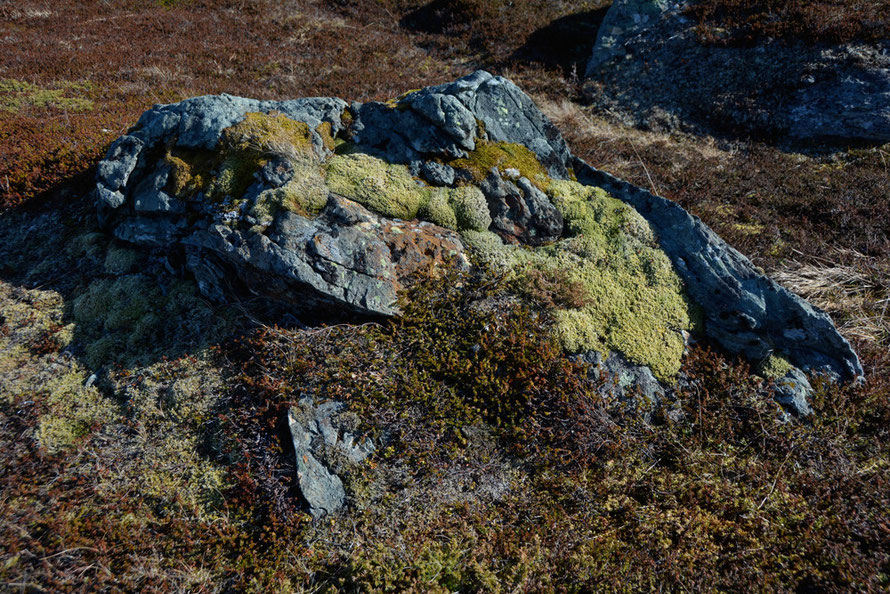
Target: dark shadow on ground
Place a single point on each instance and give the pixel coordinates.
(122, 306)
(566, 43)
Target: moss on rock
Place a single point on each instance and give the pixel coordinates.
(191, 171)
(470, 208)
(634, 301)
(438, 209)
(503, 155)
(383, 187)
(305, 194)
(269, 133)
(775, 367)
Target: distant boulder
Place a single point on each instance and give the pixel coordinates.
(649, 65)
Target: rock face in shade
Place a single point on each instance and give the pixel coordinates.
(320, 204)
(649, 65)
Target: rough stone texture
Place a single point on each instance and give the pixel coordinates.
(347, 256)
(649, 66)
(793, 392)
(319, 433)
(521, 210)
(437, 174)
(622, 378)
(442, 121)
(348, 259)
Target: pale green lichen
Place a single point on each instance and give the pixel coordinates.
(172, 406)
(89, 245)
(383, 187)
(775, 367)
(470, 208)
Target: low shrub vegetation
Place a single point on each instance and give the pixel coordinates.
(734, 22)
(161, 460)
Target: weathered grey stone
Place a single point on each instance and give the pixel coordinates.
(319, 433)
(437, 174)
(321, 489)
(649, 65)
(119, 163)
(149, 195)
(277, 172)
(622, 378)
(344, 257)
(793, 392)
(521, 210)
(447, 113)
(149, 232)
(744, 311)
(110, 198)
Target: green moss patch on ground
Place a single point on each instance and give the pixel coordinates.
(134, 318)
(16, 95)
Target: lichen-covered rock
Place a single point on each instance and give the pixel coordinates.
(286, 200)
(649, 65)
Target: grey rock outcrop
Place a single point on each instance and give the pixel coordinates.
(283, 233)
(623, 379)
(521, 210)
(649, 65)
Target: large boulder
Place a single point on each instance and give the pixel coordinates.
(649, 65)
(335, 207)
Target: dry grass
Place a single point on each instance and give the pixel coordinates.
(852, 287)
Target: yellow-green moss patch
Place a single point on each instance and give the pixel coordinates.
(132, 319)
(634, 301)
(503, 155)
(191, 171)
(470, 208)
(17, 94)
(305, 194)
(75, 410)
(383, 187)
(438, 209)
(272, 133)
(775, 366)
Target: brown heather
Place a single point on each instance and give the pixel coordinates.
(744, 22)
